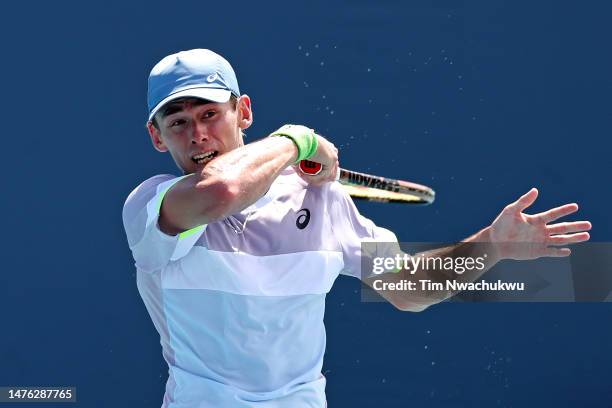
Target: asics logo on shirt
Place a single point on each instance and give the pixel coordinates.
(302, 220)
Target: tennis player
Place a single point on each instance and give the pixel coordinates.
(234, 258)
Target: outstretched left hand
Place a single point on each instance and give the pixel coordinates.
(520, 236)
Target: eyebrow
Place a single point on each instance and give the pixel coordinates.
(175, 107)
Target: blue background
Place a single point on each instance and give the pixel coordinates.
(481, 100)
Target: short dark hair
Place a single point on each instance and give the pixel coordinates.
(233, 99)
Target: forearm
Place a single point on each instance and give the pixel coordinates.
(249, 170)
(430, 270)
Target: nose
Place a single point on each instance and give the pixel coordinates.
(199, 133)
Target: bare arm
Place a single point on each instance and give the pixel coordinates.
(231, 182)
(419, 299)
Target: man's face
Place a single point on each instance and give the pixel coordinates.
(195, 131)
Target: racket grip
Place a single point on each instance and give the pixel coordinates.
(310, 167)
(313, 168)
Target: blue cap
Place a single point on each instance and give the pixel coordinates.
(195, 73)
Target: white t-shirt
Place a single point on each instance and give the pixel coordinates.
(239, 303)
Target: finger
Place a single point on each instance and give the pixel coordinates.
(333, 171)
(556, 213)
(567, 227)
(569, 238)
(556, 252)
(525, 201)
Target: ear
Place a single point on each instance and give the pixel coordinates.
(156, 139)
(245, 111)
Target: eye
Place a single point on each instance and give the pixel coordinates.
(177, 122)
(209, 114)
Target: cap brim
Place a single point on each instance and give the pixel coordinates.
(210, 94)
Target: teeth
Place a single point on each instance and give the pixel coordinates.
(203, 155)
(200, 158)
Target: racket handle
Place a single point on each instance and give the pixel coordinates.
(313, 168)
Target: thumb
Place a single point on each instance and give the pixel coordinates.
(526, 200)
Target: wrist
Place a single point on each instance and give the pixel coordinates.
(304, 138)
(484, 237)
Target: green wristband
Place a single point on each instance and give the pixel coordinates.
(304, 138)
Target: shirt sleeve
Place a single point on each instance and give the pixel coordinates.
(151, 248)
(352, 229)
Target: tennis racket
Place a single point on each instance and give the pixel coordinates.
(376, 188)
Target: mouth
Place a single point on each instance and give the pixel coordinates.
(203, 158)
